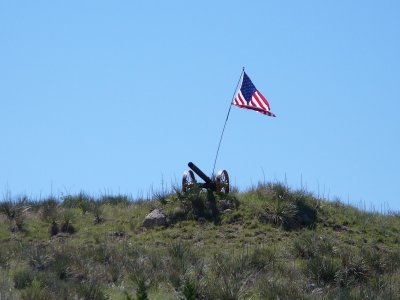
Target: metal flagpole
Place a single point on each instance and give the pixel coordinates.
(226, 120)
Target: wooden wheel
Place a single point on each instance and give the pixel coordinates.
(188, 180)
(222, 182)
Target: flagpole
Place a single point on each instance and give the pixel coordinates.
(226, 120)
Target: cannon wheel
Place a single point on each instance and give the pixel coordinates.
(188, 180)
(223, 182)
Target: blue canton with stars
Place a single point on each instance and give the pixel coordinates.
(248, 88)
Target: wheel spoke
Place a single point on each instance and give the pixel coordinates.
(222, 182)
(188, 180)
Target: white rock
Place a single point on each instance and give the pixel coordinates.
(155, 218)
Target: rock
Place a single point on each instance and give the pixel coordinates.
(155, 218)
(119, 233)
(339, 228)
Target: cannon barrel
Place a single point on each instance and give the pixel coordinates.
(199, 172)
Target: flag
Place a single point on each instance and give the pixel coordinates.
(249, 97)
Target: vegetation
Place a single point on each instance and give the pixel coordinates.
(266, 243)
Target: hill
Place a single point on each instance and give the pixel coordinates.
(269, 242)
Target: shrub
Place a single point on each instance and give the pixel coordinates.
(199, 204)
(36, 291)
(115, 270)
(261, 258)
(281, 212)
(230, 275)
(175, 212)
(115, 200)
(15, 213)
(82, 201)
(141, 292)
(189, 290)
(271, 190)
(310, 244)
(49, 211)
(54, 228)
(306, 214)
(374, 259)
(179, 253)
(393, 260)
(162, 196)
(66, 221)
(181, 258)
(353, 270)
(278, 288)
(23, 278)
(5, 256)
(60, 265)
(92, 291)
(142, 266)
(128, 297)
(113, 261)
(226, 201)
(5, 286)
(97, 210)
(38, 256)
(323, 269)
(286, 208)
(8, 209)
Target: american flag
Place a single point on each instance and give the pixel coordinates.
(250, 98)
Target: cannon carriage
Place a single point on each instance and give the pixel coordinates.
(218, 183)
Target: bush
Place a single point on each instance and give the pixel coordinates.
(97, 210)
(285, 208)
(323, 269)
(36, 291)
(141, 292)
(180, 253)
(199, 204)
(5, 286)
(23, 278)
(262, 258)
(115, 200)
(38, 256)
(49, 210)
(278, 288)
(189, 290)
(306, 214)
(82, 201)
(66, 221)
(230, 275)
(54, 229)
(162, 196)
(393, 261)
(15, 213)
(353, 270)
(281, 212)
(60, 265)
(113, 261)
(92, 291)
(374, 259)
(310, 245)
(143, 266)
(5, 256)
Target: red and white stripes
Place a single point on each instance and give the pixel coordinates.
(257, 103)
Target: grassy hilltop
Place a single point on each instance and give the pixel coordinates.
(267, 243)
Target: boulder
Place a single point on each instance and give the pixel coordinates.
(155, 218)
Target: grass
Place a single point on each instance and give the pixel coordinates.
(266, 243)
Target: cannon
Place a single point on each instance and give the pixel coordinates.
(219, 183)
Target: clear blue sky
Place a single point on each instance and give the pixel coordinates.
(116, 95)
